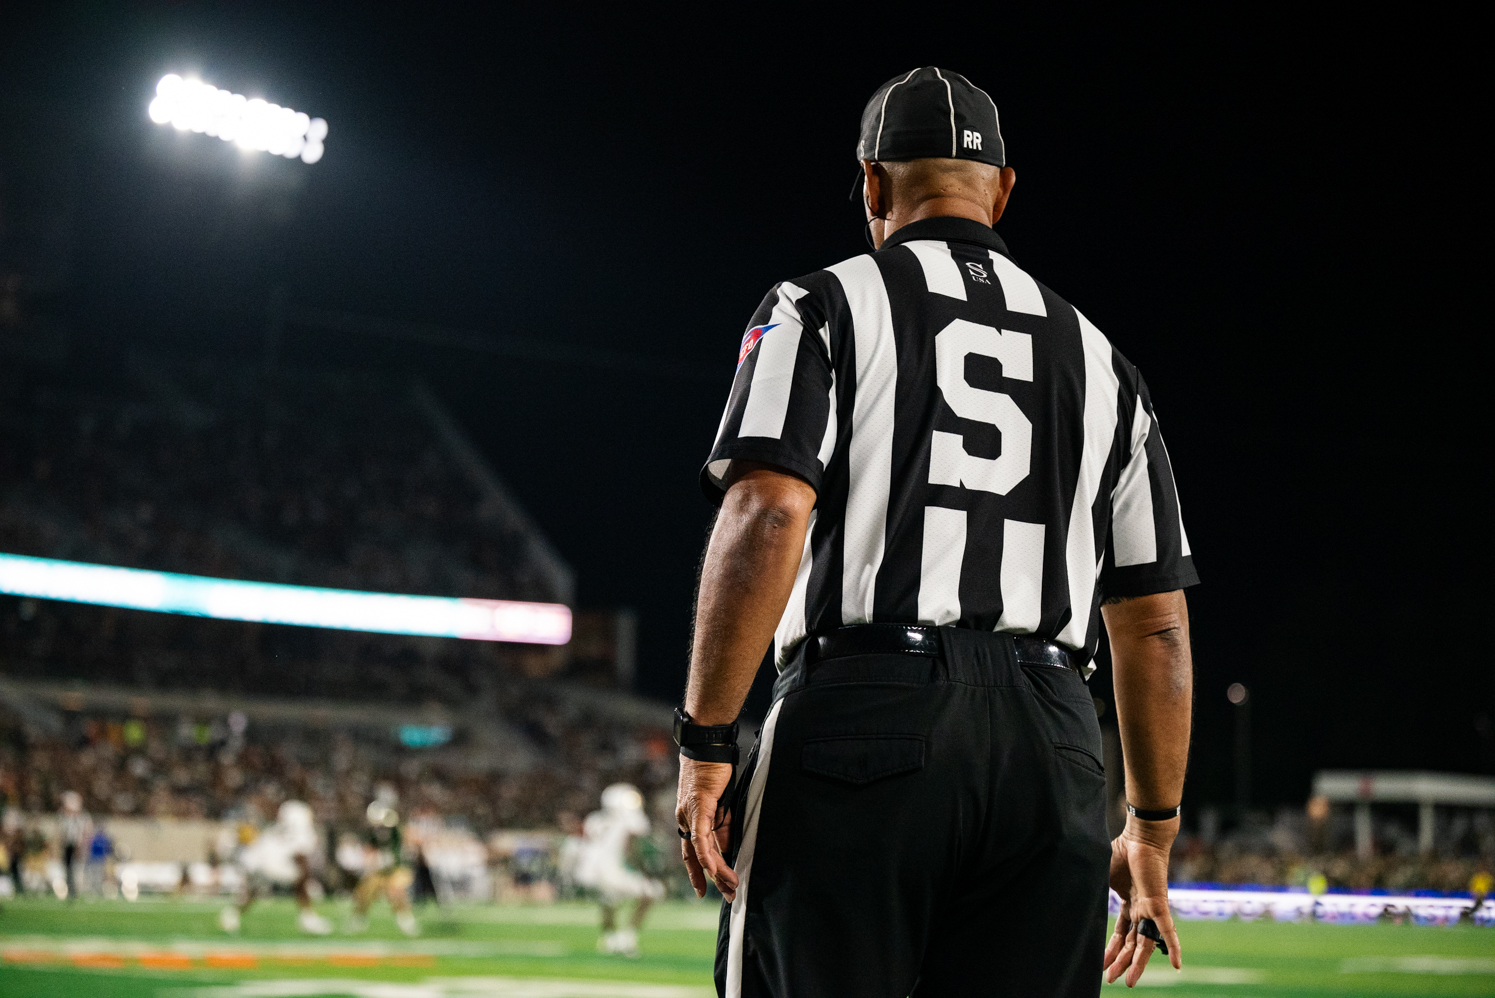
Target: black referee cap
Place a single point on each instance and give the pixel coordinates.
(931, 113)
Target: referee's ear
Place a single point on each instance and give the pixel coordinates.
(874, 191)
(1006, 180)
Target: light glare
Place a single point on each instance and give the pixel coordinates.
(270, 603)
(251, 124)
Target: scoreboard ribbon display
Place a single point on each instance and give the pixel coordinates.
(272, 603)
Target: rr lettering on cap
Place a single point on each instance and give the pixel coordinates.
(973, 139)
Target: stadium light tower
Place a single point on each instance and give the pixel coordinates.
(250, 123)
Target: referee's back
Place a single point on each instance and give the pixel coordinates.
(981, 454)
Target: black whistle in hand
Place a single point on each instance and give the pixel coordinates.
(1148, 928)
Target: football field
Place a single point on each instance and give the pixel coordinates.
(173, 949)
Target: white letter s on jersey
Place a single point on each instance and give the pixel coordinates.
(949, 464)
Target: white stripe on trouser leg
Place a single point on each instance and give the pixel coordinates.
(744, 867)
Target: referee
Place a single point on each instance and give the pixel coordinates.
(936, 479)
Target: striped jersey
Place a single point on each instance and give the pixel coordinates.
(982, 456)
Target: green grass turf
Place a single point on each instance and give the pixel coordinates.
(1249, 960)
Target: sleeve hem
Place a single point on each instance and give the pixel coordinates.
(1151, 585)
(767, 452)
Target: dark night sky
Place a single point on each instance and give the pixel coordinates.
(1270, 215)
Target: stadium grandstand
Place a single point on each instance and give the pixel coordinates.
(340, 479)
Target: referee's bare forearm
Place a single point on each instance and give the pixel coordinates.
(751, 560)
(1153, 672)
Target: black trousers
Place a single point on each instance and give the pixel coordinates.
(909, 825)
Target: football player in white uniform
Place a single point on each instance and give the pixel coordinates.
(600, 865)
(280, 856)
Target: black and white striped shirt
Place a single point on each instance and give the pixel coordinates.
(982, 455)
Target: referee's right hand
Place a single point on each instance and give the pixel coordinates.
(696, 813)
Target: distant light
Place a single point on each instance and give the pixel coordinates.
(424, 735)
(191, 105)
(1237, 694)
(269, 603)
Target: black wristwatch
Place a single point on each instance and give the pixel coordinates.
(705, 742)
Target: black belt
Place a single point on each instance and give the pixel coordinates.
(911, 639)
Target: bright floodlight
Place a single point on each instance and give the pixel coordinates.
(269, 603)
(191, 105)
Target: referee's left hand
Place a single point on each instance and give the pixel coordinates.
(1139, 873)
(701, 787)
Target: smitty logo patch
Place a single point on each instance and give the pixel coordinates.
(750, 339)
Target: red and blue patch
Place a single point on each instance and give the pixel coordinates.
(750, 339)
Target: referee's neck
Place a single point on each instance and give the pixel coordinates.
(899, 194)
(940, 207)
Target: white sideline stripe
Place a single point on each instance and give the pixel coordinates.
(941, 272)
(444, 987)
(939, 570)
(1020, 290)
(1440, 965)
(1100, 427)
(773, 372)
(744, 867)
(1134, 534)
(870, 453)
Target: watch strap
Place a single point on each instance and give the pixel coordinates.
(705, 742)
(710, 753)
(1165, 814)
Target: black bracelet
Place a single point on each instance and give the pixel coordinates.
(1166, 814)
(705, 742)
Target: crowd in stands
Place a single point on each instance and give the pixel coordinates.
(227, 768)
(1232, 864)
(330, 479)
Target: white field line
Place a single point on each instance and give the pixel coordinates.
(1441, 965)
(442, 987)
(331, 947)
(1159, 975)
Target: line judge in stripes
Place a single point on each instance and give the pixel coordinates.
(937, 481)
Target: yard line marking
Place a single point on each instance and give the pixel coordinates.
(352, 960)
(165, 961)
(1160, 975)
(446, 987)
(106, 961)
(1417, 965)
(233, 961)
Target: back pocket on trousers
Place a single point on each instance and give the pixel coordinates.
(1081, 757)
(862, 759)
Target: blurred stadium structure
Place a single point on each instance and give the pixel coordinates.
(347, 480)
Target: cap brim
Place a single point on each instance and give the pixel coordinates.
(856, 185)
